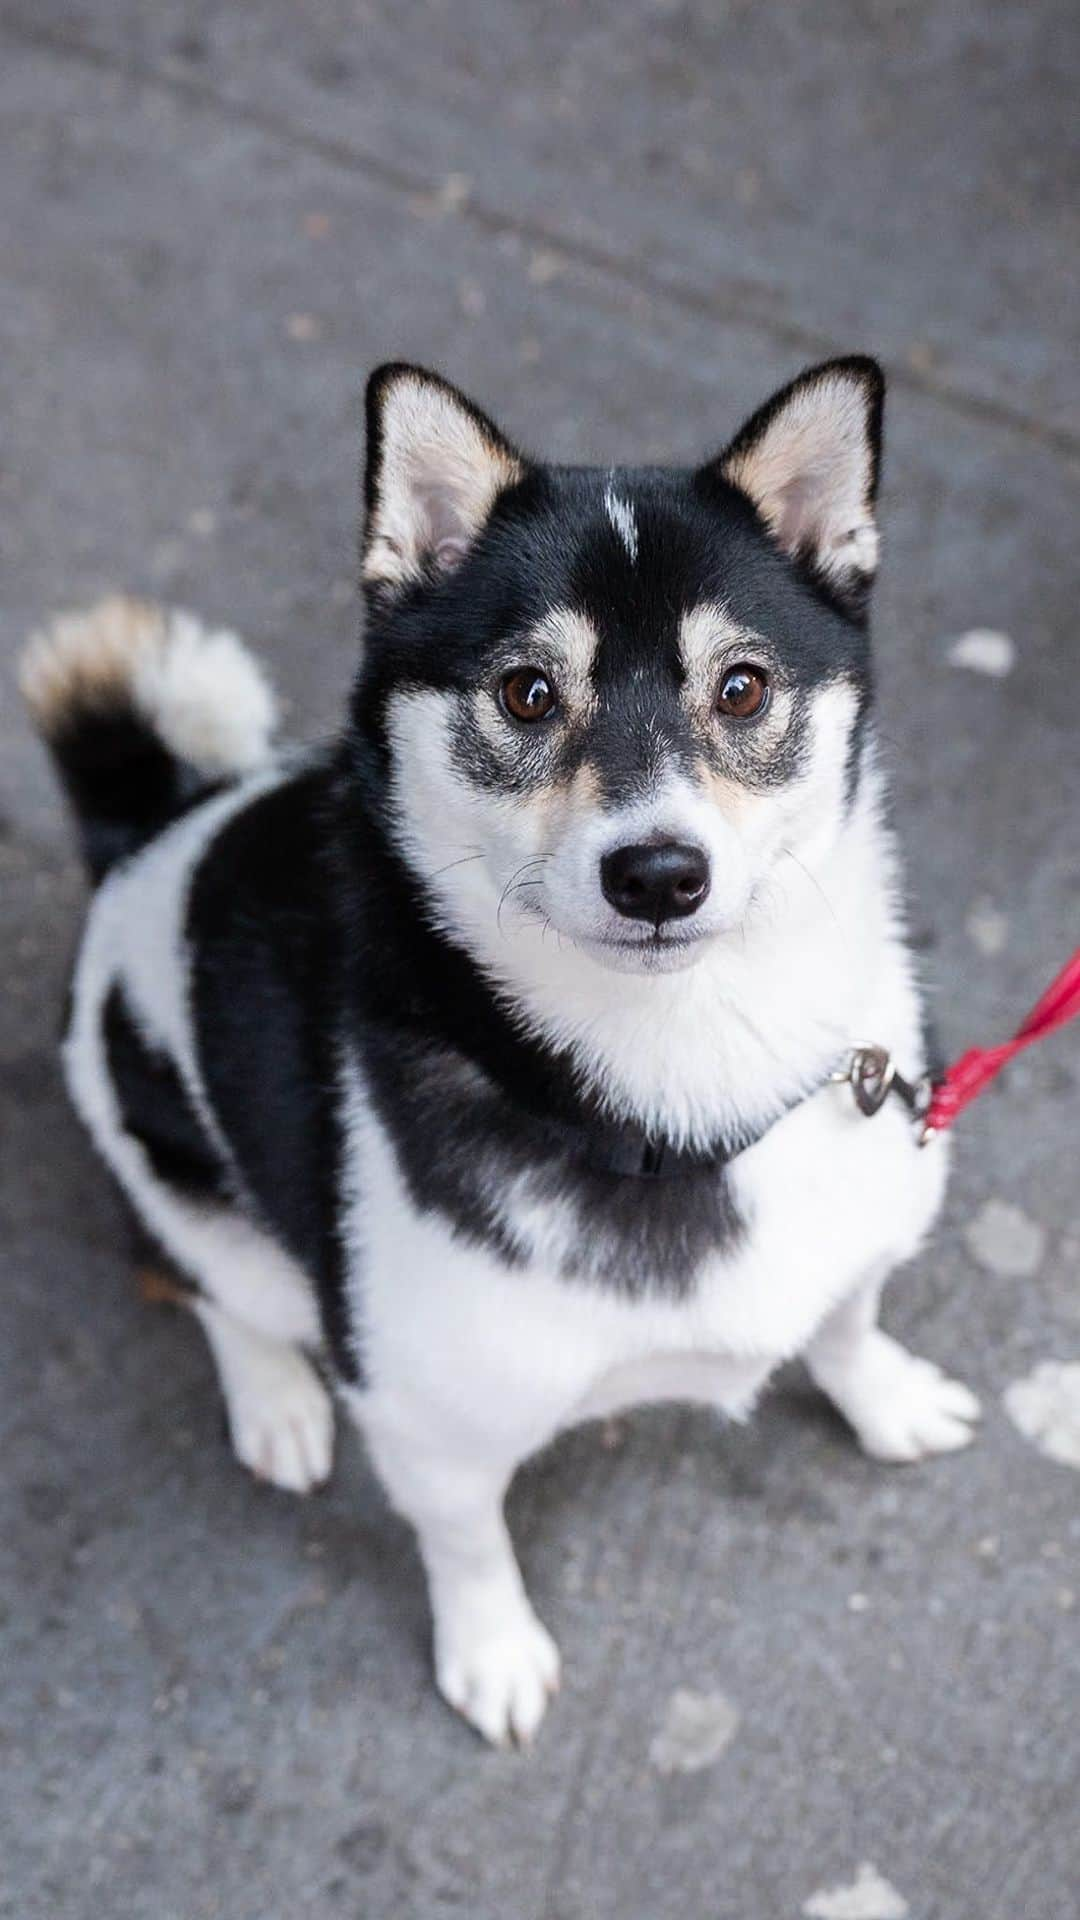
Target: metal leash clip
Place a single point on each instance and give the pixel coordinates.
(872, 1075)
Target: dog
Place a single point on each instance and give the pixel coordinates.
(482, 1068)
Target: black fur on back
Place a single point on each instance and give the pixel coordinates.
(155, 1108)
(267, 978)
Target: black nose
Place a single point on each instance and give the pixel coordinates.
(661, 882)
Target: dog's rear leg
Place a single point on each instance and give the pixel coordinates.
(494, 1661)
(257, 1306)
(258, 1313)
(901, 1408)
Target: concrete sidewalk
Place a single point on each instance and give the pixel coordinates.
(619, 225)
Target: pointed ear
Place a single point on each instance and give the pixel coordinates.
(808, 460)
(435, 465)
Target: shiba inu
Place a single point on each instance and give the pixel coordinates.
(478, 1069)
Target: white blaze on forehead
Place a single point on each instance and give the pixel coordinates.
(621, 515)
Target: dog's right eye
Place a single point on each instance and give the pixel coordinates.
(527, 694)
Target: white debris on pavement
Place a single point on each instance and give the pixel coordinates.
(869, 1897)
(1046, 1408)
(987, 927)
(697, 1728)
(983, 650)
(1005, 1241)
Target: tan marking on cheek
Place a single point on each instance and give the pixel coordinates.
(583, 789)
(729, 796)
(568, 802)
(540, 808)
(580, 795)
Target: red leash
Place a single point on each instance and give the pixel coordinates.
(968, 1076)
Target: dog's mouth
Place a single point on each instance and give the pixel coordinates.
(652, 942)
(646, 949)
(658, 950)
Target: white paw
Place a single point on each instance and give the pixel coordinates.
(903, 1408)
(281, 1421)
(503, 1681)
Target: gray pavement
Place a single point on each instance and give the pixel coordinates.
(619, 224)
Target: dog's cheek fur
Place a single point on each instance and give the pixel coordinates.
(797, 820)
(465, 839)
(736, 756)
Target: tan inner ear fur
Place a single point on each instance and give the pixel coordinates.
(809, 475)
(439, 478)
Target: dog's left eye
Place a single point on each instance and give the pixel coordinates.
(744, 692)
(527, 694)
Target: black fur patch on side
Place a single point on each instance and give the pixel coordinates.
(122, 783)
(265, 1003)
(156, 1109)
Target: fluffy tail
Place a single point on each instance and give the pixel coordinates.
(144, 711)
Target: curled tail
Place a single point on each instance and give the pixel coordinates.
(145, 711)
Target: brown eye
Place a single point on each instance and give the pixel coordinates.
(527, 694)
(744, 692)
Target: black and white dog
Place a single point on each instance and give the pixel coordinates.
(489, 1052)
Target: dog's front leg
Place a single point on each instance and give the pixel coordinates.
(494, 1661)
(901, 1408)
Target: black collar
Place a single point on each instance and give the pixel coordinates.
(632, 1153)
(608, 1147)
(627, 1151)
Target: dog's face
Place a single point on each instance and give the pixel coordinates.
(613, 702)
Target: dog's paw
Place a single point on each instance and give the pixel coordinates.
(281, 1421)
(501, 1682)
(903, 1408)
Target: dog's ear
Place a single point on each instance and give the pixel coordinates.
(808, 460)
(435, 465)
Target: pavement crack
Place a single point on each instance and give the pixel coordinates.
(728, 304)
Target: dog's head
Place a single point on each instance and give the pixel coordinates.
(607, 703)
